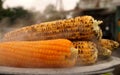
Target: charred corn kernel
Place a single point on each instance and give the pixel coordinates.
(109, 44)
(48, 53)
(82, 28)
(87, 52)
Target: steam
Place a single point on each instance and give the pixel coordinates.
(6, 26)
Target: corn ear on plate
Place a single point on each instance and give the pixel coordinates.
(104, 52)
(88, 49)
(109, 44)
(82, 28)
(56, 53)
(87, 52)
(106, 47)
(91, 69)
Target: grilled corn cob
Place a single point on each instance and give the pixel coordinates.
(109, 44)
(105, 47)
(104, 52)
(87, 52)
(49, 53)
(82, 28)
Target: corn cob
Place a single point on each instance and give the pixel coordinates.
(87, 52)
(104, 52)
(82, 28)
(105, 47)
(49, 53)
(109, 44)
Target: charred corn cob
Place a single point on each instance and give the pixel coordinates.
(82, 28)
(109, 44)
(105, 47)
(49, 53)
(87, 52)
(104, 52)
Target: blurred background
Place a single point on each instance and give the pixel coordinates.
(18, 13)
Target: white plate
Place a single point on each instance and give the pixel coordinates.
(100, 66)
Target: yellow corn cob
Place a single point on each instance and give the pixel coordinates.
(82, 28)
(87, 52)
(49, 53)
(109, 44)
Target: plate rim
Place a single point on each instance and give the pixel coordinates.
(73, 70)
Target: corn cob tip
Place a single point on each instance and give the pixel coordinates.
(99, 22)
(116, 44)
(87, 52)
(74, 52)
(106, 52)
(109, 44)
(97, 29)
(95, 24)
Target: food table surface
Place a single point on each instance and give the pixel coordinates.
(101, 66)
